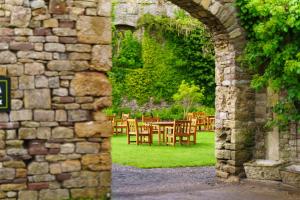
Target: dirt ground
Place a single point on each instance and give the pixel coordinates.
(190, 183)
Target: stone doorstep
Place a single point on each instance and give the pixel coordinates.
(291, 175)
(264, 169)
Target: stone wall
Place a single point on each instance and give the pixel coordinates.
(283, 143)
(55, 143)
(127, 12)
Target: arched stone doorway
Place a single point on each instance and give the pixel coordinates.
(235, 101)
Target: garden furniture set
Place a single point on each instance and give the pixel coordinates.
(169, 132)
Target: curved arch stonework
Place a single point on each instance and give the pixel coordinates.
(235, 101)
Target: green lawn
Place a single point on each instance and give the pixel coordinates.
(156, 156)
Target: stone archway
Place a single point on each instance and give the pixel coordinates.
(54, 143)
(235, 101)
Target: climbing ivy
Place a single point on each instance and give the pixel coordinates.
(192, 47)
(273, 51)
(154, 65)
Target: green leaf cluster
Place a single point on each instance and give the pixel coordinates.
(273, 51)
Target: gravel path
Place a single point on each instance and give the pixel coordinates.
(194, 183)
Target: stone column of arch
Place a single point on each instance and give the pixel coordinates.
(235, 101)
(55, 142)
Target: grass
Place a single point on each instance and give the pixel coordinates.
(162, 156)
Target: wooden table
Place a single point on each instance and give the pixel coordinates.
(162, 129)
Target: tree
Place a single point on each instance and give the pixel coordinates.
(188, 95)
(273, 51)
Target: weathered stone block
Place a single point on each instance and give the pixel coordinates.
(92, 129)
(27, 133)
(7, 57)
(38, 98)
(38, 168)
(14, 164)
(62, 132)
(66, 65)
(58, 7)
(84, 193)
(263, 169)
(55, 168)
(15, 70)
(60, 115)
(102, 102)
(50, 23)
(26, 195)
(85, 179)
(67, 148)
(291, 175)
(34, 68)
(78, 115)
(87, 147)
(71, 166)
(55, 47)
(105, 178)
(54, 194)
(21, 115)
(7, 174)
(91, 159)
(104, 8)
(38, 186)
(101, 57)
(83, 48)
(43, 133)
(41, 82)
(12, 187)
(26, 82)
(94, 30)
(90, 84)
(16, 104)
(20, 16)
(44, 115)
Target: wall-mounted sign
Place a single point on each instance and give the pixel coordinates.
(4, 94)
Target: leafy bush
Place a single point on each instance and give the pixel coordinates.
(188, 96)
(273, 51)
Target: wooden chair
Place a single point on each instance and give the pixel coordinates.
(120, 125)
(210, 123)
(149, 120)
(125, 116)
(146, 119)
(194, 130)
(180, 129)
(111, 118)
(202, 123)
(142, 134)
(190, 116)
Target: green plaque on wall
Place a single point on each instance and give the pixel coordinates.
(4, 94)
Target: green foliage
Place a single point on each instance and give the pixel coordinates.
(192, 46)
(198, 66)
(171, 50)
(188, 96)
(175, 112)
(273, 51)
(127, 51)
(207, 110)
(183, 24)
